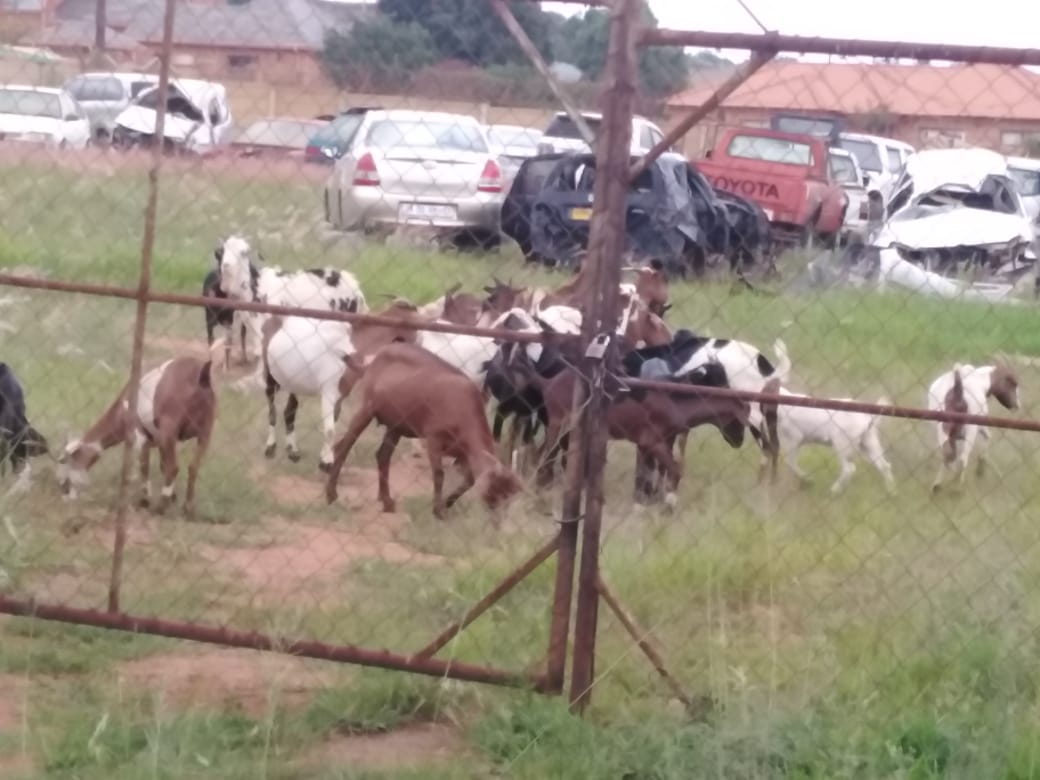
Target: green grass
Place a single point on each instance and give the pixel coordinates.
(862, 636)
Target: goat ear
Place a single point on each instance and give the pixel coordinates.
(218, 253)
(656, 264)
(664, 309)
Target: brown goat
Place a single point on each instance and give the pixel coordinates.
(415, 394)
(954, 431)
(175, 403)
(453, 306)
(652, 420)
(652, 286)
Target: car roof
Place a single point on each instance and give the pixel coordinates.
(1025, 163)
(28, 88)
(121, 75)
(596, 115)
(877, 138)
(420, 115)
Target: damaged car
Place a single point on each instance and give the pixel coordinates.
(673, 214)
(198, 117)
(955, 212)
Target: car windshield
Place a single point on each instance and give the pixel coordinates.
(96, 89)
(805, 125)
(514, 136)
(426, 134)
(176, 103)
(564, 127)
(28, 102)
(867, 154)
(777, 150)
(1027, 182)
(843, 170)
(340, 130)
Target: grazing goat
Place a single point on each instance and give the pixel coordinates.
(19, 440)
(306, 357)
(315, 288)
(224, 317)
(175, 403)
(845, 432)
(415, 394)
(967, 389)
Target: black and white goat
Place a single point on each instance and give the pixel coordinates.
(315, 288)
(223, 317)
(18, 439)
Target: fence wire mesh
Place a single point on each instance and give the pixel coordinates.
(792, 594)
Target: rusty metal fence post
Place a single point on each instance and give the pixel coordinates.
(141, 317)
(606, 247)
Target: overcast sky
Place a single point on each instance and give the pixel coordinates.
(990, 23)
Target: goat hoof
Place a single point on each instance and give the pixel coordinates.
(189, 512)
(143, 502)
(269, 451)
(323, 467)
(294, 456)
(331, 494)
(389, 506)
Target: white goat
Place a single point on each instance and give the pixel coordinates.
(306, 357)
(966, 389)
(845, 432)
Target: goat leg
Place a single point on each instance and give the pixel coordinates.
(201, 445)
(383, 456)
(292, 451)
(144, 464)
(355, 428)
(168, 460)
(271, 390)
(433, 451)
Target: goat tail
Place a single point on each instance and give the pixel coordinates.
(783, 367)
(206, 375)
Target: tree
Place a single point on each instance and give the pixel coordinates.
(470, 31)
(582, 41)
(379, 51)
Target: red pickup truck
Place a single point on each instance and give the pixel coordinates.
(787, 175)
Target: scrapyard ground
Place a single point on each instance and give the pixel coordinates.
(863, 636)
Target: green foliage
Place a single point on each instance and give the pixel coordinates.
(471, 32)
(377, 52)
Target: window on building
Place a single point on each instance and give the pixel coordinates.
(942, 138)
(241, 61)
(1011, 139)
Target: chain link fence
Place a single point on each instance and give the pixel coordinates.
(233, 238)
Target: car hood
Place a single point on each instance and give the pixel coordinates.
(18, 123)
(176, 128)
(937, 227)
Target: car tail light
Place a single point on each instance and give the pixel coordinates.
(366, 174)
(490, 178)
(312, 151)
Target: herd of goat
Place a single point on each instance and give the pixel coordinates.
(434, 385)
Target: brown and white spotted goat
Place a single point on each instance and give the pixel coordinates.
(967, 390)
(175, 403)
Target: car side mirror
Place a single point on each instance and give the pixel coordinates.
(866, 180)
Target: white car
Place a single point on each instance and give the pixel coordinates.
(846, 171)
(882, 159)
(1026, 173)
(43, 115)
(562, 134)
(952, 207)
(102, 96)
(198, 117)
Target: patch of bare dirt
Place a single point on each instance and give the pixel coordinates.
(410, 747)
(248, 679)
(12, 694)
(307, 556)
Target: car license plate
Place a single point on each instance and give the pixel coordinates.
(581, 215)
(769, 214)
(425, 212)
